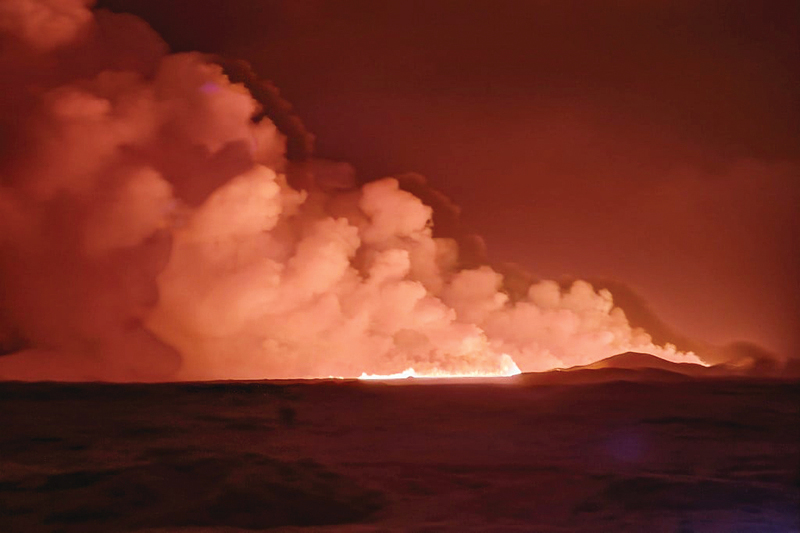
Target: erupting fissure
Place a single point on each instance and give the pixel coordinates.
(149, 231)
(509, 369)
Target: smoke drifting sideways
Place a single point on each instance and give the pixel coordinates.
(149, 232)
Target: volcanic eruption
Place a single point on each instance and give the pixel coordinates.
(152, 228)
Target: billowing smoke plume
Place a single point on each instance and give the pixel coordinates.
(149, 232)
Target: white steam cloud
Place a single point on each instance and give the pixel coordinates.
(148, 232)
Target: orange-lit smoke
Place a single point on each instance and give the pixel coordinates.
(149, 232)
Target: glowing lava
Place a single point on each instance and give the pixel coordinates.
(508, 368)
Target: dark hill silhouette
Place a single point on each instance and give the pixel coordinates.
(637, 360)
(628, 366)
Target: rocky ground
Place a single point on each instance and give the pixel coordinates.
(580, 451)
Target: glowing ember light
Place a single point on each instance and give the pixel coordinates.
(508, 368)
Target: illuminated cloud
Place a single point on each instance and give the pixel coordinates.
(149, 232)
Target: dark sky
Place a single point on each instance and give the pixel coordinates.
(652, 143)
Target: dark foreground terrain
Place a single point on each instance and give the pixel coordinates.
(691, 455)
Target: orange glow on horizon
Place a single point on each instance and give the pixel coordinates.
(509, 368)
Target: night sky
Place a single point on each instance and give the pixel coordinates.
(653, 147)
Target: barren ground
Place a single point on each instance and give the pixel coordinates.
(709, 455)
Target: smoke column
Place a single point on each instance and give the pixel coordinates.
(149, 232)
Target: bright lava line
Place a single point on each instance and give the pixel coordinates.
(509, 368)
